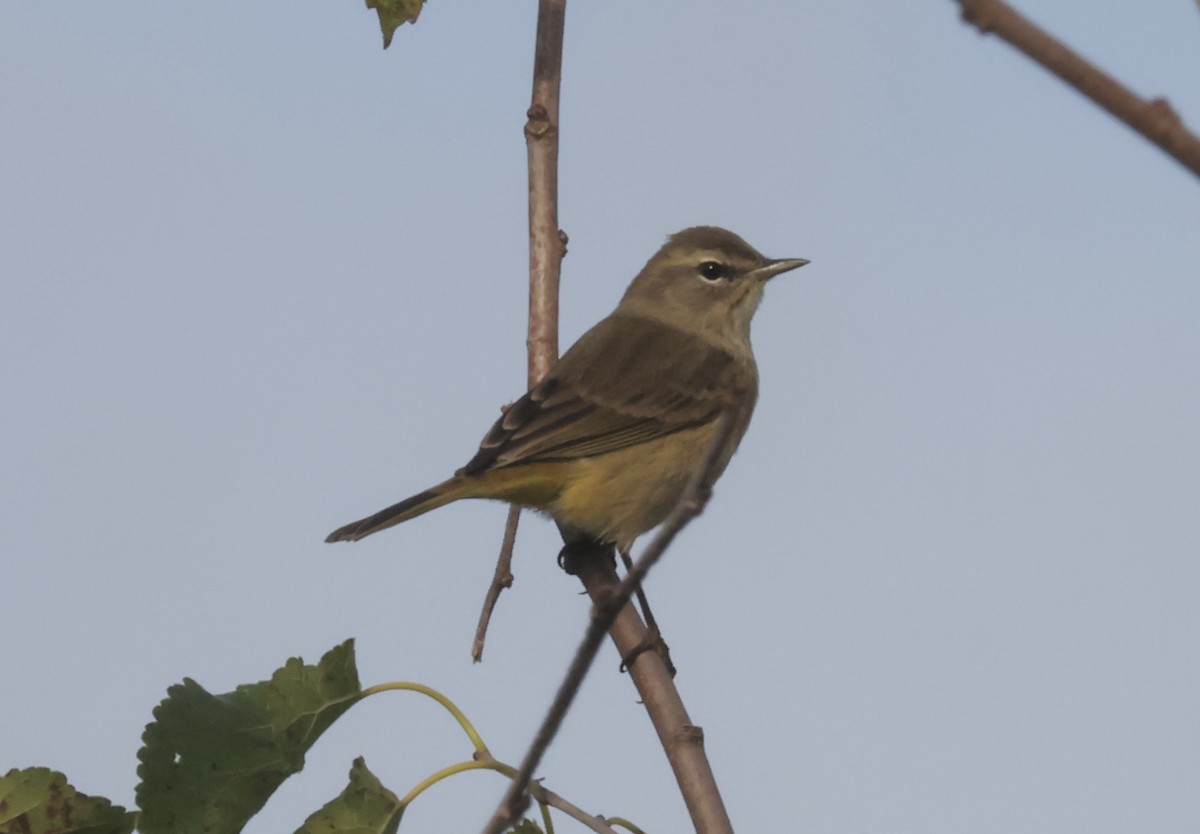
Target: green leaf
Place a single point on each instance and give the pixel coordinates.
(38, 800)
(364, 807)
(393, 13)
(210, 762)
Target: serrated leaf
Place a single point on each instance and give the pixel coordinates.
(37, 800)
(305, 700)
(210, 762)
(364, 807)
(394, 13)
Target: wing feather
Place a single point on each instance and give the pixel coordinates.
(599, 397)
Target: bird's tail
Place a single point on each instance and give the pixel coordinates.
(418, 504)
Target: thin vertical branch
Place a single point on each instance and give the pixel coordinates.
(547, 246)
(1155, 119)
(547, 243)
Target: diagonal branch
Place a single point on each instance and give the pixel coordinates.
(1155, 119)
(682, 740)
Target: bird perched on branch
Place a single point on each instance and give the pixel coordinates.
(609, 440)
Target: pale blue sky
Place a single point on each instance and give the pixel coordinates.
(261, 278)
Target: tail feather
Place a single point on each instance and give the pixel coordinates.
(418, 504)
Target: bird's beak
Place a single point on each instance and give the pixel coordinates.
(775, 267)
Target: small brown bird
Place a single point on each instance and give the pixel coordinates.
(607, 442)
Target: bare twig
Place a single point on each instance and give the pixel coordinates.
(597, 824)
(547, 246)
(547, 243)
(1155, 119)
(682, 740)
(501, 579)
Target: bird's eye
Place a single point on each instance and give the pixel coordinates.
(713, 271)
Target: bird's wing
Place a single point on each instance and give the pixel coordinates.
(600, 397)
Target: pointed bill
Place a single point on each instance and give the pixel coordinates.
(775, 267)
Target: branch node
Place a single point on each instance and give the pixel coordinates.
(691, 734)
(538, 125)
(1163, 116)
(974, 15)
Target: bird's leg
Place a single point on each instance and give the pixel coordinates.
(653, 639)
(579, 548)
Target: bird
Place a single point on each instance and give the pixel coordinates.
(608, 441)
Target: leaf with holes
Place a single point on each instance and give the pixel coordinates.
(38, 800)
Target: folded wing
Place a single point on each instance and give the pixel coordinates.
(600, 398)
